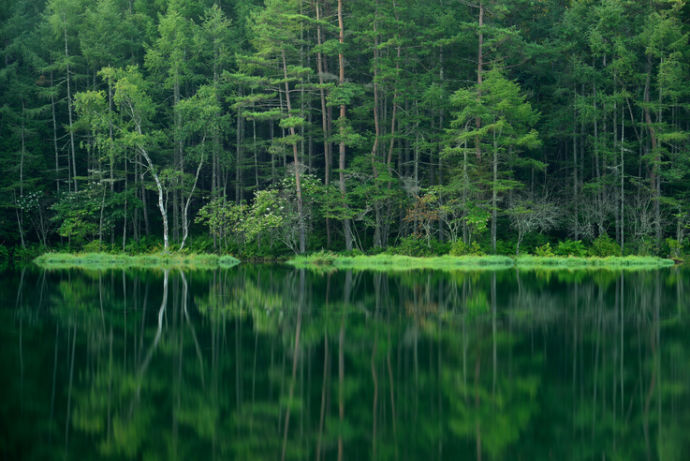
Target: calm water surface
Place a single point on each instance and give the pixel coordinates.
(269, 362)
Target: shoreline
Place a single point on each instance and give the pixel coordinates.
(104, 261)
(381, 262)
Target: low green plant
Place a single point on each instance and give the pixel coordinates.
(505, 247)
(459, 248)
(25, 255)
(603, 246)
(607, 263)
(544, 250)
(388, 262)
(411, 246)
(571, 248)
(675, 249)
(104, 261)
(93, 247)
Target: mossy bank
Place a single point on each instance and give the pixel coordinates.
(384, 262)
(102, 261)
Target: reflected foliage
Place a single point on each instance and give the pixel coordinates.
(272, 362)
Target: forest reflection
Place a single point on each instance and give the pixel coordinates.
(268, 362)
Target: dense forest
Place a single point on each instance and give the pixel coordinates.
(264, 128)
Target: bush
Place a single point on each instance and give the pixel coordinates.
(411, 246)
(544, 250)
(506, 248)
(571, 248)
(532, 241)
(459, 248)
(200, 244)
(604, 246)
(94, 247)
(145, 244)
(674, 248)
(642, 247)
(25, 255)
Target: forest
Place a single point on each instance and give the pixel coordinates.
(268, 128)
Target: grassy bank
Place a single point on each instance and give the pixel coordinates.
(384, 262)
(592, 262)
(101, 261)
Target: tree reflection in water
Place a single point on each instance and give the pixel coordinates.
(266, 362)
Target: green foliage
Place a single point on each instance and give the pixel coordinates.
(387, 262)
(108, 106)
(460, 248)
(571, 248)
(613, 263)
(675, 249)
(414, 246)
(544, 250)
(105, 261)
(603, 246)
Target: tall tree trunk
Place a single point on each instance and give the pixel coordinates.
(55, 144)
(377, 133)
(159, 186)
(341, 149)
(622, 184)
(238, 156)
(654, 173)
(69, 111)
(185, 210)
(494, 195)
(575, 184)
(324, 115)
(298, 183)
(480, 70)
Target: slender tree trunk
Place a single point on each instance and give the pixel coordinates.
(238, 156)
(494, 195)
(185, 210)
(69, 112)
(575, 184)
(653, 178)
(480, 70)
(622, 184)
(159, 187)
(298, 183)
(324, 115)
(341, 149)
(55, 144)
(377, 133)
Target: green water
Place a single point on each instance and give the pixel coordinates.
(270, 362)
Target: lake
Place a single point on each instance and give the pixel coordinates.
(271, 362)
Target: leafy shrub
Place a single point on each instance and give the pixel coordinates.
(439, 248)
(571, 248)
(544, 250)
(411, 246)
(145, 244)
(93, 247)
(531, 241)
(642, 247)
(24, 255)
(200, 244)
(674, 248)
(459, 248)
(506, 248)
(353, 252)
(603, 246)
